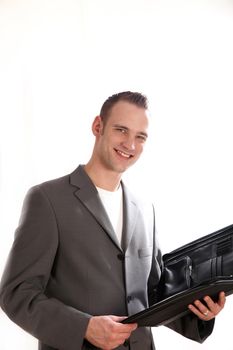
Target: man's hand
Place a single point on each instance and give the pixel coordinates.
(210, 309)
(106, 332)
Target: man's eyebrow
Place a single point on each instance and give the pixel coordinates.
(120, 126)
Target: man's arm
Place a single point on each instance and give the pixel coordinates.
(208, 309)
(28, 270)
(23, 287)
(198, 325)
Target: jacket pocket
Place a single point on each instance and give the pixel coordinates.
(144, 252)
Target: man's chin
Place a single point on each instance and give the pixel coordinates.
(122, 169)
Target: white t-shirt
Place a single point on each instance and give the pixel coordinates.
(113, 204)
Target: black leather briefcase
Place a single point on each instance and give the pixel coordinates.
(205, 259)
(201, 267)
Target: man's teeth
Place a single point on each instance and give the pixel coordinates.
(123, 154)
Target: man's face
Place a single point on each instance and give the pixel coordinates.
(120, 141)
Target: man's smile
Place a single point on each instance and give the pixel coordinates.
(123, 154)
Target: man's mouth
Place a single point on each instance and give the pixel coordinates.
(123, 154)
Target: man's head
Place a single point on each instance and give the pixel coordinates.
(134, 98)
(121, 131)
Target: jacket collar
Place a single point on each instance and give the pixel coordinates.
(87, 193)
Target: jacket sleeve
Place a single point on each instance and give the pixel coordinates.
(192, 327)
(28, 269)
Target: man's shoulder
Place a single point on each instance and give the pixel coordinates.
(59, 181)
(51, 189)
(56, 185)
(56, 182)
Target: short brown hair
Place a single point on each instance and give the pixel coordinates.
(135, 98)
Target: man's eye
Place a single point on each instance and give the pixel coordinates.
(123, 131)
(142, 138)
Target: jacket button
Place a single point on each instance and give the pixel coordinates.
(129, 298)
(121, 257)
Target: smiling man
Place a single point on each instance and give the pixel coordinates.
(85, 253)
(121, 134)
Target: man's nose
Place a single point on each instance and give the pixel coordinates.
(129, 143)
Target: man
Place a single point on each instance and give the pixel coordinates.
(85, 253)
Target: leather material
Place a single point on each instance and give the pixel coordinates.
(201, 267)
(205, 259)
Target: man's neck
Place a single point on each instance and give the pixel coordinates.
(103, 178)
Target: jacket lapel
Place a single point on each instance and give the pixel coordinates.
(87, 193)
(129, 217)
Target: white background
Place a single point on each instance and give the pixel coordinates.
(60, 59)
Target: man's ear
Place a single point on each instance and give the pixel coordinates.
(97, 126)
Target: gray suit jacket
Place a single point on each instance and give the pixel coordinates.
(66, 265)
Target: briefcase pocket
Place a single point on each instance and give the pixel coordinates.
(199, 262)
(227, 265)
(176, 276)
(211, 261)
